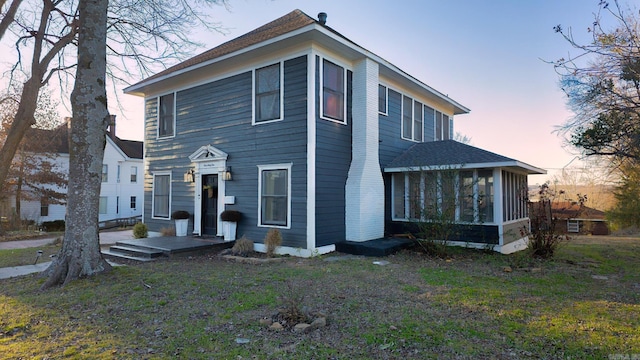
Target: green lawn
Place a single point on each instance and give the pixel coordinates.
(583, 304)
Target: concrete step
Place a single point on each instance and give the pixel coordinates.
(118, 255)
(138, 251)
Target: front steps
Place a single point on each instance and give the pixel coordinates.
(149, 249)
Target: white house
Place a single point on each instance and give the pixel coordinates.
(121, 192)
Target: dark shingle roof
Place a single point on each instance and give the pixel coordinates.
(452, 153)
(133, 149)
(287, 23)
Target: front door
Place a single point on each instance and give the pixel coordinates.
(209, 204)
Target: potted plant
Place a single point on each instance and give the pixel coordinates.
(230, 219)
(182, 222)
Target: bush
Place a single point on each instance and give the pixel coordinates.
(140, 231)
(231, 215)
(544, 237)
(56, 225)
(242, 247)
(180, 215)
(168, 231)
(272, 241)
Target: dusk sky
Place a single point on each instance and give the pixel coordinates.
(486, 55)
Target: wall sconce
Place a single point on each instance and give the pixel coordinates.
(190, 176)
(226, 174)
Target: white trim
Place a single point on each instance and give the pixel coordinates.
(386, 99)
(253, 93)
(175, 115)
(261, 168)
(506, 164)
(153, 190)
(299, 252)
(344, 90)
(311, 149)
(208, 160)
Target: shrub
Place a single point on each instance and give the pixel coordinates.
(180, 215)
(242, 247)
(231, 215)
(140, 231)
(544, 237)
(272, 241)
(170, 231)
(56, 225)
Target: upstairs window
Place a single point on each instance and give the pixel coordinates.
(105, 173)
(412, 128)
(382, 99)
(134, 174)
(166, 118)
(333, 90)
(268, 91)
(444, 126)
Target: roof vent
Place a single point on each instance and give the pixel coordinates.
(322, 18)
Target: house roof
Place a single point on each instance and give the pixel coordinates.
(574, 210)
(133, 149)
(452, 154)
(57, 141)
(281, 27)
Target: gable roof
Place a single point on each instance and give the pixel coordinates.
(455, 155)
(574, 210)
(285, 25)
(57, 141)
(290, 22)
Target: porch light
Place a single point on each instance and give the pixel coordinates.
(226, 174)
(189, 176)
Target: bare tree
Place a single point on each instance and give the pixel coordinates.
(602, 82)
(142, 35)
(80, 253)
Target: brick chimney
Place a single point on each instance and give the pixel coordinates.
(112, 127)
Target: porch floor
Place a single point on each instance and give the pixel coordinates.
(376, 247)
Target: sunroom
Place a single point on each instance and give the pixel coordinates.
(475, 197)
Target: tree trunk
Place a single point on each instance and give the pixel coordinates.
(80, 254)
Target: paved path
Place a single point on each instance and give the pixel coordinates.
(106, 238)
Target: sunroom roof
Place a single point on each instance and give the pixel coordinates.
(450, 154)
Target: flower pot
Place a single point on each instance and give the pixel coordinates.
(229, 230)
(181, 227)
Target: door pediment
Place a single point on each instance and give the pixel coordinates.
(208, 153)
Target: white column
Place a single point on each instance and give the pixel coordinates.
(365, 189)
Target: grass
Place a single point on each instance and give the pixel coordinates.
(416, 307)
(18, 257)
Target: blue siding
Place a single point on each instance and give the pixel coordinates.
(391, 142)
(333, 158)
(220, 114)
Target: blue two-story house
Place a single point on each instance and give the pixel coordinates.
(301, 129)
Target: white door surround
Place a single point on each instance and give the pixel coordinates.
(208, 160)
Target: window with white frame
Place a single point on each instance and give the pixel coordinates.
(412, 121)
(166, 115)
(268, 93)
(103, 205)
(514, 195)
(161, 195)
(134, 174)
(274, 189)
(448, 195)
(105, 173)
(118, 173)
(382, 99)
(44, 206)
(333, 92)
(132, 202)
(444, 126)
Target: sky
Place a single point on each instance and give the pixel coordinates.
(487, 55)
